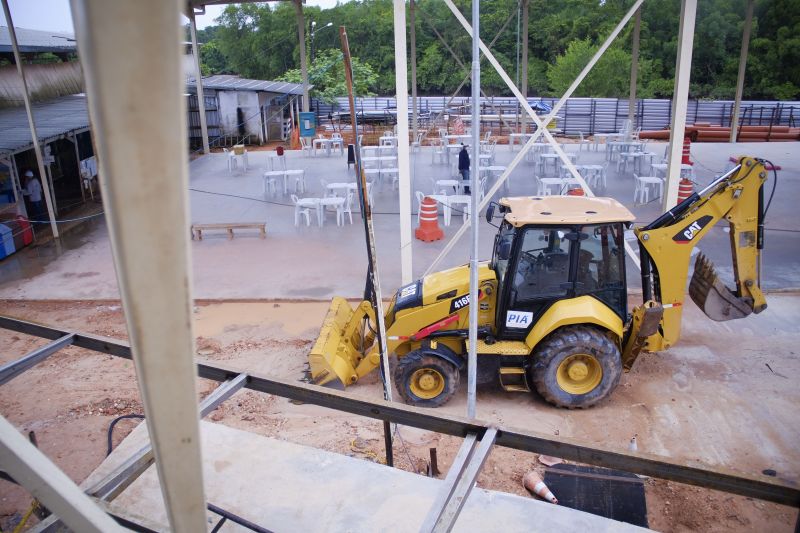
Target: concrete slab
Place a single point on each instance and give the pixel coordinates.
(288, 487)
(320, 262)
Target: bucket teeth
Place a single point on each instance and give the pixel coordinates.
(716, 300)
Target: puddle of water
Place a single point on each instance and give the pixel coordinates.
(33, 260)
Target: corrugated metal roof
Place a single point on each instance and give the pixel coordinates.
(235, 83)
(37, 41)
(52, 118)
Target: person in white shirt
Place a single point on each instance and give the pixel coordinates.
(33, 190)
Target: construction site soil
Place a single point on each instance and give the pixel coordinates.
(723, 397)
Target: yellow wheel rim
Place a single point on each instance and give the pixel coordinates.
(579, 374)
(427, 383)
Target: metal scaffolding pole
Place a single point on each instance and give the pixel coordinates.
(145, 179)
(49, 484)
(748, 23)
(413, 36)
(523, 84)
(637, 25)
(198, 76)
(301, 35)
(37, 149)
(403, 161)
(472, 357)
(680, 100)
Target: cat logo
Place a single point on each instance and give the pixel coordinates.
(689, 232)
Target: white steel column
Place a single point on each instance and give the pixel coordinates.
(301, 35)
(523, 84)
(198, 76)
(37, 149)
(748, 22)
(680, 101)
(49, 484)
(403, 163)
(472, 358)
(142, 151)
(637, 25)
(412, 20)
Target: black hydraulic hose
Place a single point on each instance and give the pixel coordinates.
(111, 429)
(760, 231)
(675, 213)
(644, 260)
(237, 519)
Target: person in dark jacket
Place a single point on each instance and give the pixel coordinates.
(463, 167)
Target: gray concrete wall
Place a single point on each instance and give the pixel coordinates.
(248, 101)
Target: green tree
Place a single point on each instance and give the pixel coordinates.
(326, 74)
(610, 77)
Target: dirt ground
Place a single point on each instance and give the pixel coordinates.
(689, 404)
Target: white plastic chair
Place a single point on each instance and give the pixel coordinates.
(439, 155)
(582, 141)
(302, 207)
(231, 160)
(305, 146)
(641, 192)
(348, 206)
(337, 142)
(417, 144)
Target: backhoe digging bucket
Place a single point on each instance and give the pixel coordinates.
(716, 300)
(336, 353)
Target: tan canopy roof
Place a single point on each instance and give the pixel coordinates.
(564, 210)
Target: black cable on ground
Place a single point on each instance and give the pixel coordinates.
(111, 429)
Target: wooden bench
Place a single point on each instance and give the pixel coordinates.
(197, 229)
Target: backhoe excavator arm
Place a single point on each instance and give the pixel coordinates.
(666, 245)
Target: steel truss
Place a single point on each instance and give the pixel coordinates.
(479, 437)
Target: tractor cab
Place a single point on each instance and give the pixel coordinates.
(556, 248)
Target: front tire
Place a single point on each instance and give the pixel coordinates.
(425, 380)
(576, 367)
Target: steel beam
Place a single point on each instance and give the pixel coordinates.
(637, 25)
(464, 484)
(412, 21)
(13, 369)
(753, 486)
(49, 200)
(144, 174)
(680, 101)
(737, 102)
(455, 473)
(523, 84)
(403, 159)
(198, 76)
(49, 484)
(121, 477)
(472, 354)
(301, 36)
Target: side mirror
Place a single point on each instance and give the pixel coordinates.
(490, 212)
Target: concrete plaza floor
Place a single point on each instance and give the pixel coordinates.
(312, 262)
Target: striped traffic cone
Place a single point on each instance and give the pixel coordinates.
(534, 483)
(429, 230)
(687, 151)
(685, 189)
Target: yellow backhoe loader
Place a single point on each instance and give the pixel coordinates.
(552, 300)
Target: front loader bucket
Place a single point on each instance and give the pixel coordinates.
(716, 300)
(335, 354)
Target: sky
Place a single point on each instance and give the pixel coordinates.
(54, 15)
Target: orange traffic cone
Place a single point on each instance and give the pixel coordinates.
(534, 483)
(685, 189)
(429, 230)
(687, 150)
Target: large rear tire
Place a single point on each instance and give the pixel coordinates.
(576, 367)
(425, 380)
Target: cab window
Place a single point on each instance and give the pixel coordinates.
(601, 265)
(543, 265)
